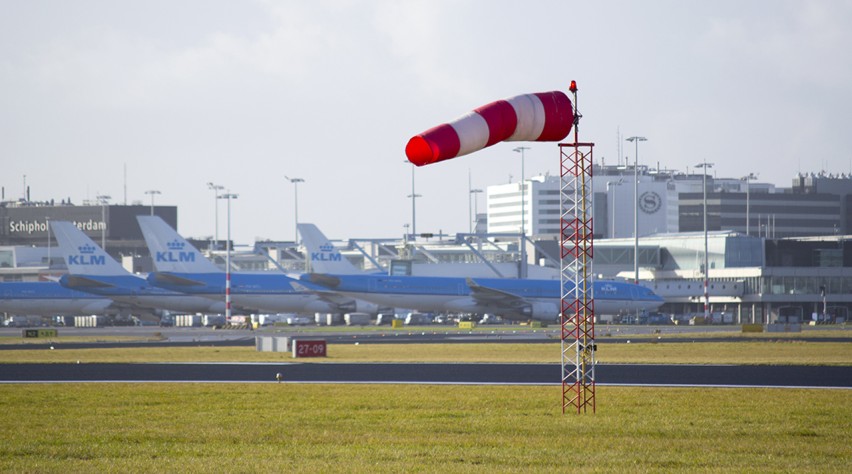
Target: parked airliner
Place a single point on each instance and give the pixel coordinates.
(93, 271)
(181, 267)
(49, 298)
(511, 299)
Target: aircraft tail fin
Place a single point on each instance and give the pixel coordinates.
(171, 252)
(324, 257)
(82, 255)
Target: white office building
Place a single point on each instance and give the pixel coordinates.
(537, 204)
(613, 198)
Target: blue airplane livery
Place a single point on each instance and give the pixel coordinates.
(181, 267)
(512, 299)
(518, 299)
(49, 298)
(92, 270)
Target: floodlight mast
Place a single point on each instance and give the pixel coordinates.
(577, 311)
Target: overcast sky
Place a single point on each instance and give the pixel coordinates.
(244, 93)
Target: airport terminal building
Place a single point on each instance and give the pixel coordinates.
(24, 241)
(751, 279)
(773, 254)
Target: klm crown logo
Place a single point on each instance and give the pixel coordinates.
(325, 254)
(175, 245)
(87, 256)
(175, 254)
(87, 249)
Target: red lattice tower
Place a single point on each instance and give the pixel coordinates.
(577, 313)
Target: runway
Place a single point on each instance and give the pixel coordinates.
(471, 374)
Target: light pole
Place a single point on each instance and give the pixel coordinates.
(705, 166)
(295, 182)
(475, 216)
(636, 141)
(152, 192)
(47, 221)
(413, 197)
(523, 268)
(228, 196)
(747, 178)
(104, 200)
(216, 188)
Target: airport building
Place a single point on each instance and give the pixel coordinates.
(671, 202)
(28, 251)
(750, 279)
(773, 254)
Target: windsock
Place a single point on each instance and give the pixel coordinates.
(539, 117)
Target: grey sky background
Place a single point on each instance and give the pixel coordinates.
(242, 93)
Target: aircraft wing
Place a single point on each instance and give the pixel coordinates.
(80, 281)
(173, 279)
(344, 302)
(497, 299)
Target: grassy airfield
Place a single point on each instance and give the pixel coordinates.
(269, 427)
(412, 428)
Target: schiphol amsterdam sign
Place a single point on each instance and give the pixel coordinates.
(32, 226)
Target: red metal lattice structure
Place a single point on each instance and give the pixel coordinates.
(577, 315)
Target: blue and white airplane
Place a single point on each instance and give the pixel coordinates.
(49, 298)
(93, 271)
(181, 267)
(512, 299)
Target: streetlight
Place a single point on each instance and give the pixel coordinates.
(475, 216)
(228, 196)
(216, 188)
(413, 197)
(705, 166)
(103, 199)
(747, 178)
(295, 182)
(636, 141)
(522, 271)
(47, 221)
(152, 192)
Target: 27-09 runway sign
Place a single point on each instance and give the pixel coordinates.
(309, 348)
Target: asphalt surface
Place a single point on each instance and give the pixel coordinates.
(511, 374)
(420, 373)
(188, 337)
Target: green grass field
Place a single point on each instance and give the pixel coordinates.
(269, 427)
(417, 428)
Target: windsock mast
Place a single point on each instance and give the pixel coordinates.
(577, 314)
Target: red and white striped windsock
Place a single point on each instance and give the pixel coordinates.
(540, 117)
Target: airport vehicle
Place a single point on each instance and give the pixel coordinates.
(181, 267)
(49, 298)
(93, 271)
(512, 299)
